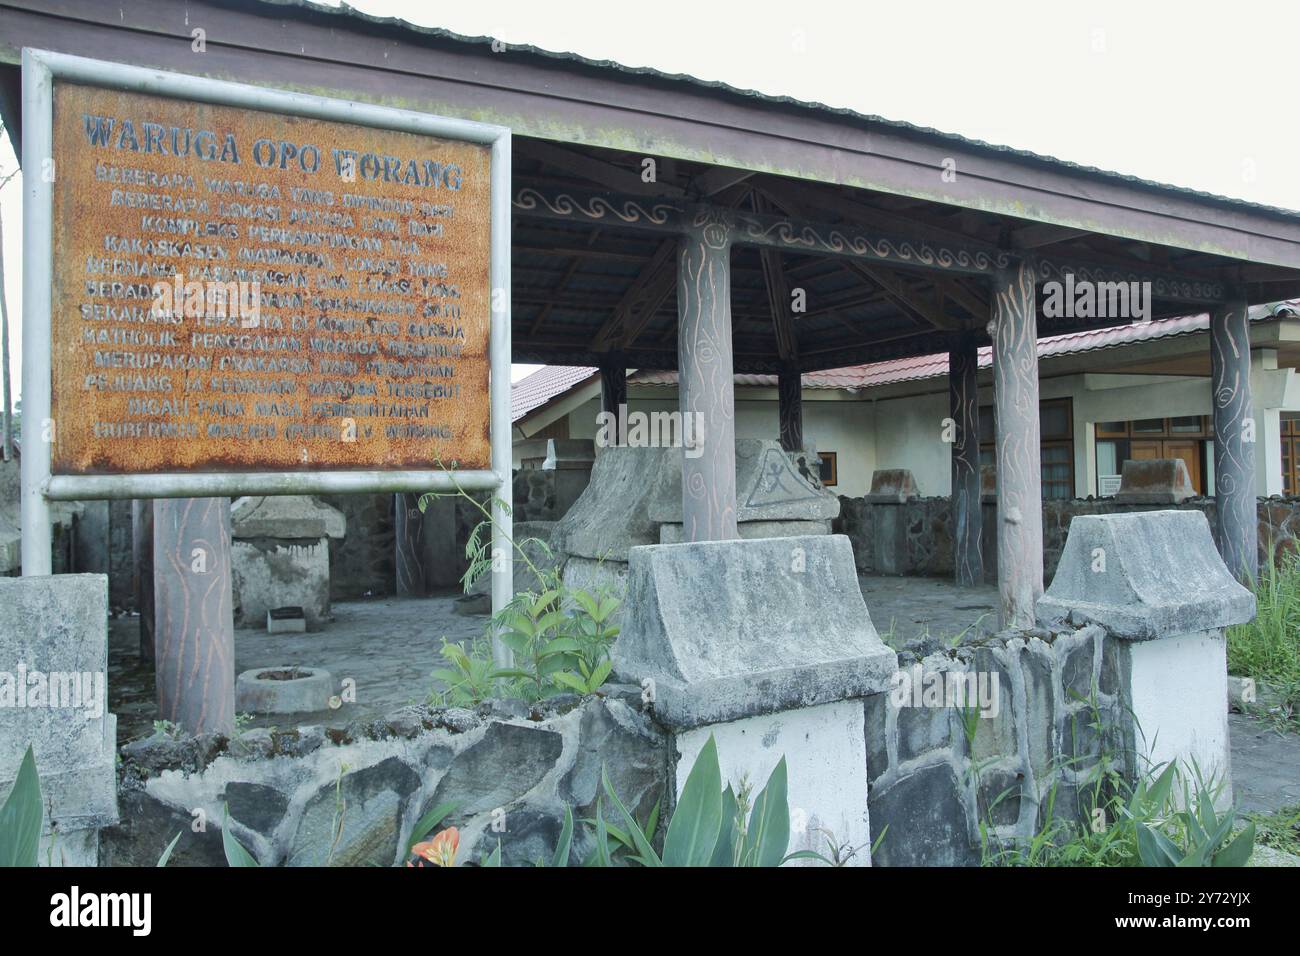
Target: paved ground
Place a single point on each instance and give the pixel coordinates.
(388, 646)
(1265, 764)
(904, 608)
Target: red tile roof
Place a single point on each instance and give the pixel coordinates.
(535, 390)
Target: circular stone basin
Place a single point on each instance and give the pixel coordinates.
(286, 689)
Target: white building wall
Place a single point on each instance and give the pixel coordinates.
(868, 433)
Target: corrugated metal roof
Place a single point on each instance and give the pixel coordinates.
(912, 369)
(343, 11)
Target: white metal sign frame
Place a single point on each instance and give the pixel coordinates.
(41, 69)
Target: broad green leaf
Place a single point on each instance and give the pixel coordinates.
(561, 645)
(724, 851)
(167, 853)
(586, 602)
(602, 836)
(561, 857)
(652, 822)
(517, 641)
(645, 852)
(494, 859)
(694, 827)
(1155, 848)
(599, 676)
(236, 855)
(550, 621)
(569, 680)
(20, 817)
(1237, 853)
(768, 835)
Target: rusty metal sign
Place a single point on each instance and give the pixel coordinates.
(238, 290)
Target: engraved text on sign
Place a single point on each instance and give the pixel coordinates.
(237, 290)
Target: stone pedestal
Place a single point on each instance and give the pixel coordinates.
(767, 645)
(571, 460)
(1156, 583)
(1156, 481)
(54, 697)
(891, 489)
(281, 556)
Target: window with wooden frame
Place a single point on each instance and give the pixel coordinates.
(1056, 427)
(1290, 453)
(830, 476)
(1182, 436)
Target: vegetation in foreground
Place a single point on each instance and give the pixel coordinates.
(1267, 649)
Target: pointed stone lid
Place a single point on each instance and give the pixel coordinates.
(728, 629)
(1145, 575)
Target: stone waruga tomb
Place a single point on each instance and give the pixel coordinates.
(273, 548)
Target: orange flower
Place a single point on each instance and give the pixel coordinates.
(441, 850)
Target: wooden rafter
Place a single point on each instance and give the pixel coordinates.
(905, 295)
(641, 300)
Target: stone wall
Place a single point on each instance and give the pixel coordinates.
(937, 772)
(918, 532)
(309, 797)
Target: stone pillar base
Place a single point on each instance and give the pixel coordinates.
(767, 646)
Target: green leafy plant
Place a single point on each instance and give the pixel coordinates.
(1196, 835)
(1267, 648)
(168, 728)
(560, 637)
(711, 826)
(20, 817)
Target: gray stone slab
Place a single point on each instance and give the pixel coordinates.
(892, 484)
(53, 693)
(1145, 575)
(633, 492)
(1156, 481)
(733, 629)
(285, 516)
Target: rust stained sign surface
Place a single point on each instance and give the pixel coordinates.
(236, 290)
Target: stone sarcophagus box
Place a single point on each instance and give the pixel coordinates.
(280, 556)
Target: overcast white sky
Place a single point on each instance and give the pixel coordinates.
(1196, 94)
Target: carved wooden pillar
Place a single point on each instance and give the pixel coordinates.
(789, 399)
(409, 555)
(613, 383)
(706, 383)
(967, 516)
(194, 628)
(1014, 330)
(1234, 437)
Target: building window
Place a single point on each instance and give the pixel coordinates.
(829, 468)
(1290, 453)
(1056, 427)
(1183, 436)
